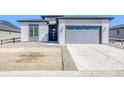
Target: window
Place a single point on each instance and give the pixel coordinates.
(33, 30)
(118, 32)
(82, 27)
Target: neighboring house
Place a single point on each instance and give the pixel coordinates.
(66, 29)
(117, 31)
(8, 30)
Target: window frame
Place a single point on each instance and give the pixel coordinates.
(34, 27)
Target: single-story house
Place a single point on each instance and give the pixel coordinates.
(117, 31)
(8, 30)
(66, 29)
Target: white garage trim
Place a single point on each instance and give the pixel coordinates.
(83, 35)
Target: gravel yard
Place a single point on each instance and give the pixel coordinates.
(30, 58)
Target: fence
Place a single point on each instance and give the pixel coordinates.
(116, 40)
(12, 40)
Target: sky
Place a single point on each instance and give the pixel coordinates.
(13, 18)
(118, 19)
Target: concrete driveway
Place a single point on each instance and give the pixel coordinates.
(97, 58)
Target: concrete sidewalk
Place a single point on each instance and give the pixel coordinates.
(83, 73)
(45, 74)
(97, 57)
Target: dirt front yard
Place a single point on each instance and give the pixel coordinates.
(31, 58)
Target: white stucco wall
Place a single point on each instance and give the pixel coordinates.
(43, 28)
(24, 31)
(84, 22)
(51, 20)
(105, 31)
(61, 31)
(43, 31)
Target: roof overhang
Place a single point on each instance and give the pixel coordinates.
(52, 16)
(80, 17)
(32, 20)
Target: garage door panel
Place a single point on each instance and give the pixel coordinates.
(82, 36)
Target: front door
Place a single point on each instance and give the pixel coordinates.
(52, 32)
(33, 32)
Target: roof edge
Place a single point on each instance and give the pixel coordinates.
(43, 16)
(110, 18)
(32, 20)
(119, 26)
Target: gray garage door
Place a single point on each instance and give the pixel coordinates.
(83, 35)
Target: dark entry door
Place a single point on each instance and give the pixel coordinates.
(52, 32)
